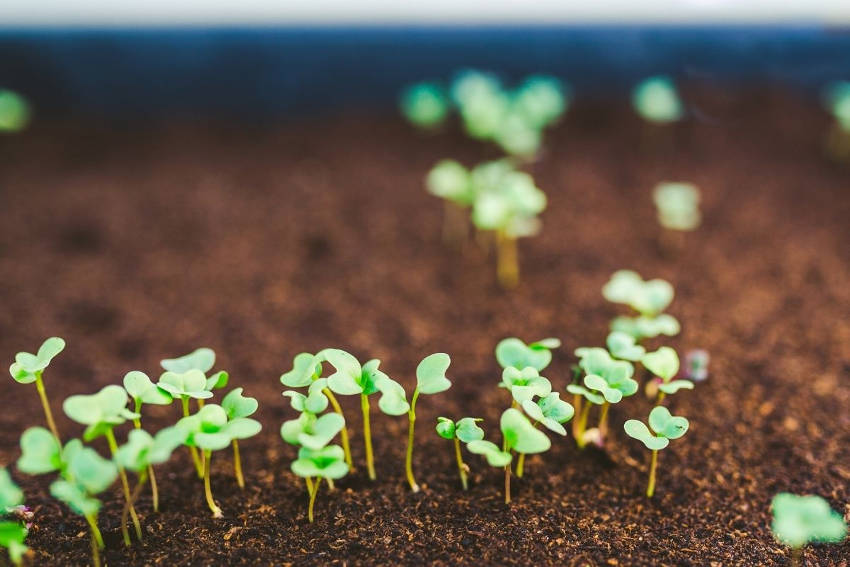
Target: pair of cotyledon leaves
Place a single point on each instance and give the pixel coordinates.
(311, 431)
(799, 520)
(647, 327)
(101, 411)
(649, 298)
(27, 366)
(512, 352)
(186, 376)
(465, 429)
(664, 363)
(525, 384)
(664, 427)
(606, 379)
(325, 462)
(678, 205)
(550, 411)
(213, 428)
(519, 435)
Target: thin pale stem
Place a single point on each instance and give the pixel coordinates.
(507, 484)
(199, 465)
(367, 436)
(520, 465)
(461, 467)
(796, 557)
(45, 404)
(343, 434)
(313, 493)
(331, 485)
(134, 496)
(137, 423)
(408, 462)
(582, 424)
(200, 403)
(154, 489)
(125, 485)
(577, 401)
(660, 398)
(603, 421)
(309, 482)
(216, 511)
(237, 465)
(96, 540)
(653, 465)
(507, 265)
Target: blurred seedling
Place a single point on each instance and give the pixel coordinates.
(314, 465)
(202, 359)
(29, 368)
(623, 346)
(837, 102)
(524, 384)
(12, 532)
(425, 105)
(648, 298)
(662, 428)
(14, 111)
(464, 430)
(677, 205)
(664, 365)
(801, 520)
(210, 430)
(551, 412)
(656, 100)
(185, 385)
(237, 406)
(452, 182)
(512, 352)
(100, 413)
(696, 365)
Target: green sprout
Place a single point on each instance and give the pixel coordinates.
(678, 205)
(210, 430)
(518, 435)
(623, 346)
(14, 112)
(524, 384)
(541, 101)
(430, 379)
(664, 364)
(696, 365)
(655, 99)
(512, 352)
(551, 412)
(664, 427)
(101, 412)
(12, 533)
(425, 105)
(837, 98)
(238, 406)
(648, 298)
(186, 385)
(142, 391)
(481, 101)
(326, 463)
(202, 359)
(29, 368)
(464, 430)
(801, 520)
(452, 182)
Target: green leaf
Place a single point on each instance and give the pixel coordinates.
(370, 376)
(598, 383)
(207, 428)
(425, 104)
(540, 100)
(217, 381)
(393, 399)
(512, 352)
(800, 520)
(10, 494)
(202, 359)
(292, 429)
(12, 537)
(467, 429)
(91, 471)
(164, 443)
(525, 384)
(675, 386)
(666, 425)
(20, 375)
(327, 462)
(242, 428)
(212, 441)
(622, 345)
(236, 405)
(638, 430)
(75, 498)
(495, 456)
(520, 435)
(594, 360)
(623, 286)
(551, 411)
(189, 384)
(663, 363)
(108, 407)
(678, 205)
(348, 375)
(40, 452)
(656, 100)
(133, 455)
(140, 387)
(445, 428)
(451, 181)
(431, 374)
(592, 397)
(296, 400)
(321, 431)
(27, 365)
(306, 367)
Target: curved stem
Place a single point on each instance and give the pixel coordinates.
(125, 485)
(650, 488)
(461, 467)
(408, 462)
(343, 433)
(237, 465)
(367, 436)
(134, 496)
(199, 466)
(207, 492)
(45, 404)
(96, 540)
(313, 494)
(507, 266)
(520, 465)
(309, 482)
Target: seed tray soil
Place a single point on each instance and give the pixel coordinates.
(137, 242)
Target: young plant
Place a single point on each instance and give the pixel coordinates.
(238, 406)
(837, 101)
(14, 111)
(648, 298)
(623, 346)
(518, 435)
(512, 352)
(551, 412)
(29, 368)
(202, 359)
(142, 391)
(481, 102)
(101, 412)
(664, 365)
(210, 430)
(12, 533)
(430, 379)
(452, 182)
(662, 428)
(316, 464)
(696, 365)
(186, 385)
(655, 99)
(678, 205)
(464, 430)
(425, 105)
(524, 384)
(801, 520)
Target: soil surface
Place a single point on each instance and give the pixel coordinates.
(138, 242)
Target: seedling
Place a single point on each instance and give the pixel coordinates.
(678, 205)
(202, 359)
(623, 346)
(696, 365)
(801, 520)
(430, 379)
(463, 430)
(210, 430)
(524, 384)
(512, 352)
(648, 298)
(29, 368)
(551, 412)
(238, 406)
(541, 101)
(142, 391)
(12, 533)
(518, 435)
(664, 364)
(481, 101)
(14, 112)
(664, 427)
(101, 412)
(655, 99)
(452, 182)
(186, 385)
(425, 105)
(837, 101)
(317, 464)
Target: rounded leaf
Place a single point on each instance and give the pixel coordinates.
(666, 425)
(495, 456)
(393, 399)
(10, 494)
(512, 352)
(445, 428)
(663, 363)
(348, 372)
(520, 435)
(638, 430)
(211, 441)
(467, 430)
(305, 368)
(623, 346)
(40, 452)
(675, 386)
(202, 359)
(431, 374)
(321, 431)
(242, 428)
(799, 520)
(237, 405)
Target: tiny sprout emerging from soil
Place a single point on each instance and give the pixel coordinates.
(425, 105)
(655, 99)
(430, 379)
(513, 353)
(664, 363)
(14, 112)
(29, 368)
(801, 520)
(649, 298)
(12, 533)
(678, 205)
(101, 412)
(464, 430)
(696, 365)
(664, 427)
(238, 406)
(211, 430)
(325, 463)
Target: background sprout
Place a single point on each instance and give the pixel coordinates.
(425, 105)
(524, 384)
(837, 102)
(430, 379)
(452, 182)
(327, 462)
(678, 205)
(202, 359)
(623, 346)
(186, 384)
(29, 368)
(800, 520)
(649, 298)
(481, 101)
(664, 427)
(541, 101)
(238, 406)
(655, 99)
(211, 430)
(464, 430)
(696, 365)
(512, 352)
(664, 363)
(550, 411)
(14, 111)
(12, 533)
(101, 412)
(40, 452)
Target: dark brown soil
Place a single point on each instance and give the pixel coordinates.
(136, 243)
